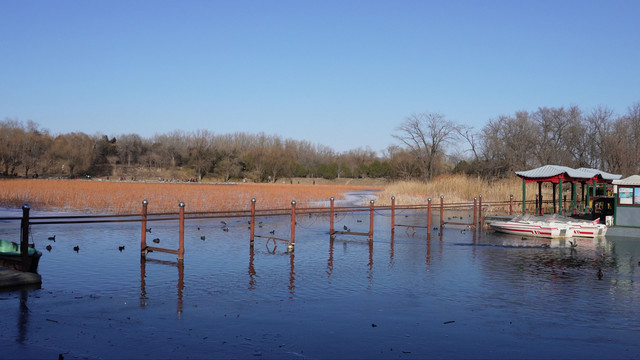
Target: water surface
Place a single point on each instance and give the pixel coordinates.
(458, 294)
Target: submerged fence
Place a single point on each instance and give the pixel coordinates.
(478, 207)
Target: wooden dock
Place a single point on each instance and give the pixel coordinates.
(10, 278)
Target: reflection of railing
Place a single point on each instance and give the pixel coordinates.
(252, 271)
(143, 281)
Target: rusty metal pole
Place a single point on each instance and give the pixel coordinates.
(429, 217)
(143, 236)
(371, 220)
(393, 213)
(511, 204)
(292, 241)
(181, 239)
(331, 213)
(441, 212)
(253, 221)
(24, 237)
(475, 208)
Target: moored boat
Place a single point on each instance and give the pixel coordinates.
(529, 226)
(10, 257)
(549, 227)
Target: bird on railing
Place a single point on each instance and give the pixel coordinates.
(121, 248)
(345, 227)
(52, 238)
(76, 248)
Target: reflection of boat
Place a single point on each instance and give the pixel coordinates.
(10, 257)
(549, 227)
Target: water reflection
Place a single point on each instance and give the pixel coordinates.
(253, 273)
(370, 272)
(143, 283)
(292, 274)
(330, 261)
(391, 247)
(252, 269)
(23, 319)
(428, 259)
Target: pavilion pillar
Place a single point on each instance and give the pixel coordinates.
(586, 200)
(524, 196)
(560, 196)
(555, 210)
(574, 205)
(540, 211)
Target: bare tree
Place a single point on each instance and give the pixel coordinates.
(426, 135)
(75, 150)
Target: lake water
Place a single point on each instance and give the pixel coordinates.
(458, 294)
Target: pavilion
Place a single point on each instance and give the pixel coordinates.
(558, 175)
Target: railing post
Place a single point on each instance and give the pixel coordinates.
(181, 241)
(292, 241)
(429, 217)
(143, 236)
(253, 221)
(475, 207)
(331, 213)
(441, 212)
(24, 236)
(393, 213)
(479, 211)
(511, 204)
(371, 220)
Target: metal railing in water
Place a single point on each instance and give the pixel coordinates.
(477, 207)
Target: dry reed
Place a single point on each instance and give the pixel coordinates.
(126, 197)
(455, 188)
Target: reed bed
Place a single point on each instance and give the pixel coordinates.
(90, 196)
(455, 188)
(460, 189)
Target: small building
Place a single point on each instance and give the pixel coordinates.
(627, 205)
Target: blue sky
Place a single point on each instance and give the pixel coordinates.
(339, 73)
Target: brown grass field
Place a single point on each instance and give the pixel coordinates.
(455, 188)
(94, 196)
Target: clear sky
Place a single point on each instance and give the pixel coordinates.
(339, 73)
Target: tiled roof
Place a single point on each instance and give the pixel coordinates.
(548, 171)
(631, 180)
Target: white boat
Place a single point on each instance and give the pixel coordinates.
(589, 229)
(549, 227)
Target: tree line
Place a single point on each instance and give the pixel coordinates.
(428, 145)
